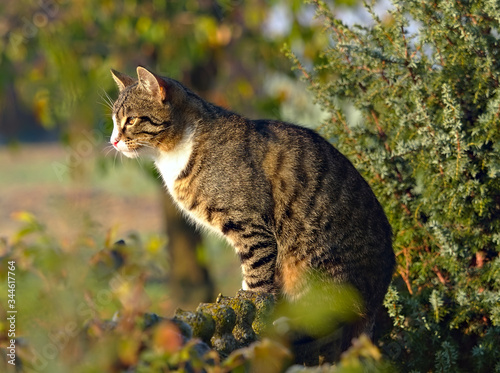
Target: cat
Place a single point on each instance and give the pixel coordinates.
(287, 200)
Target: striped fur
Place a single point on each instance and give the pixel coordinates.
(287, 200)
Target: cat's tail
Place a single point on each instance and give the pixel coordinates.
(354, 330)
(312, 351)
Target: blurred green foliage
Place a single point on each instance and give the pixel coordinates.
(64, 290)
(57, 54)
(81, 308)
(323, 309)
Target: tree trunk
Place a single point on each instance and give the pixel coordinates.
(189, 279)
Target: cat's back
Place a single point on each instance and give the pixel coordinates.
(324, 211)
(308, 186)
(314, 188)
(299, 161)
(301, 167)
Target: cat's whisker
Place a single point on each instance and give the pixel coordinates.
(107, 108)
(107, 101)
(105, 104)
(110, 100)
(108, 149)
(157, 143)
(146, 145)
(114, 159)
(138, 159)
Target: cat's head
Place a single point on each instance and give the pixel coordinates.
(143, 122)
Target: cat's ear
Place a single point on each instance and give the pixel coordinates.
(122, 80)
(154, 84)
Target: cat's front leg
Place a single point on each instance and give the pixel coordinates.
(257, 250)
(259, 273)
(258, 265)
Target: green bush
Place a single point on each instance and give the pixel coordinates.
(423, 84)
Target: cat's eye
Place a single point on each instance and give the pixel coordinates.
(132, 120)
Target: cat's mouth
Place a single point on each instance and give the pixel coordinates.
(133, 149)
(123, 148)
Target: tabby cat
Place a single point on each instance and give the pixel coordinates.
(285, 198)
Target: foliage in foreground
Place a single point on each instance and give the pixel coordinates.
(423, 83)
(81, 308)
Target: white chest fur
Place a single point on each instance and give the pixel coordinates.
(170, 164)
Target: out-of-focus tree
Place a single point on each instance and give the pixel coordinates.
(58, 54)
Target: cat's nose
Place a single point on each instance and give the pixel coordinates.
(114, 140)
(115, 137)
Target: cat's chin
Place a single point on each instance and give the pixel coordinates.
(129, 154)
(140, 152)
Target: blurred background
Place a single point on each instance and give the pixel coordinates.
(59, 176)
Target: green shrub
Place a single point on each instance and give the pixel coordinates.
(426, 135)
